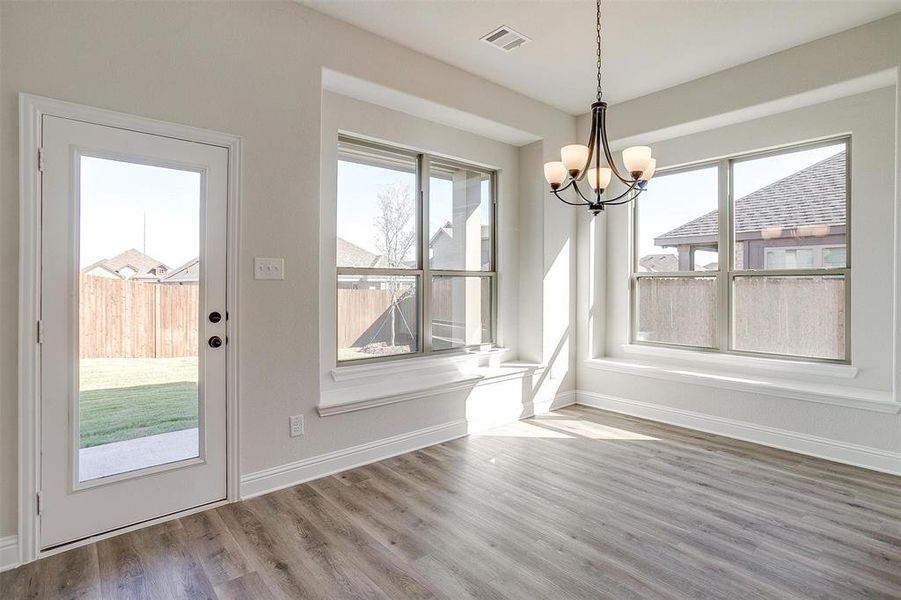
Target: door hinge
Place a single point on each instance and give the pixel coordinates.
(39, 332)
(41, 160)
(39, 502)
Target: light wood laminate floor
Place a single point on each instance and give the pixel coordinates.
(579, 503)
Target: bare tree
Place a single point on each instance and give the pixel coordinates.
(395, 237)
(396, 233)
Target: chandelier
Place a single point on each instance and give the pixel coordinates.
(580, 162)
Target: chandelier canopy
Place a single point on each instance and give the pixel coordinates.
(578, 162)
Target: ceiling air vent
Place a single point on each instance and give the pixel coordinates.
(504, 38)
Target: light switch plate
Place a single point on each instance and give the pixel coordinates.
(268, 268)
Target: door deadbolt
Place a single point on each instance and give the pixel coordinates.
(215, 317)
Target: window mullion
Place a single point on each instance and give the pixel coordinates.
(425, 305)
(725, 254)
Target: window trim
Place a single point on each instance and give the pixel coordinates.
(423, 272)
(726, 273)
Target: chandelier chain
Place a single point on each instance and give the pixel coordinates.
(600, 91)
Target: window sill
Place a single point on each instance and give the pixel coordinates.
(766, 366)
(407, 365)
(379, 391)
(742, 381)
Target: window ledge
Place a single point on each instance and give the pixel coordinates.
(401, 389)
(772, 366)
(741, 381)
(407, 365)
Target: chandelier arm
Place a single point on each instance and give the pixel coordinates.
(631, 189)
(561, 199)
(571, 183)
(607, 154)
(592, 147)
(618, 200)
(581, 195)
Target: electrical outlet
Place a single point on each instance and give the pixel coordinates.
(268, 268)
(296, 423)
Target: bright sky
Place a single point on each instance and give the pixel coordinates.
(117, 196)
(672, 200)
(358, 186)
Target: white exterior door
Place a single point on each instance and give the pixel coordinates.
(133, 328)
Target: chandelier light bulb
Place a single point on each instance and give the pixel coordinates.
(637, 158)
(649, 170)
(599, 178)
(554, 172)
(574, 157)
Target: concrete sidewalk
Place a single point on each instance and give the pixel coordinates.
(139, 453)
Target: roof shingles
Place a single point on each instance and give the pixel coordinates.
(813, 196)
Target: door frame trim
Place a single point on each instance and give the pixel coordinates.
(32, 108)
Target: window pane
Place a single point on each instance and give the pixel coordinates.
(459, 219)
(795, 199)
(790, 258)
(377, 315)
(376, 208)
(461, 311)
(798, 316)
(834, 258)
(677, 222)
(677, 310)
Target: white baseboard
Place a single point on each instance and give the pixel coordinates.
(290, 474)
(559, 401)
(287, 475)
(9, 552)
(851, 454)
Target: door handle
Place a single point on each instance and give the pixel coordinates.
(215, 341)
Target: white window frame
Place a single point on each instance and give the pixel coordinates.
(726, 273)
(423, 272)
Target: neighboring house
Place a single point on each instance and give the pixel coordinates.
(663, 263)
(351, 255)
(796, 222)
(131, 264)
(444, 252)
(187, 274)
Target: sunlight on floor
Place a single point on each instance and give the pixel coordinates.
(592, 430)
(555, 427)
(522, 429)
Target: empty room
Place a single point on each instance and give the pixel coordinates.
(446, 299)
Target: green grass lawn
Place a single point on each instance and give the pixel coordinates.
(127, 398)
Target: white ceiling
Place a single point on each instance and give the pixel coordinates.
(648, 45)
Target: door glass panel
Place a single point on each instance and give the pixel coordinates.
(139, 248)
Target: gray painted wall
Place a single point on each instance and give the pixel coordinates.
(254, 69)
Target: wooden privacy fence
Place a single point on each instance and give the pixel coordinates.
(364, 317)
(121, 318)
(802, 316)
